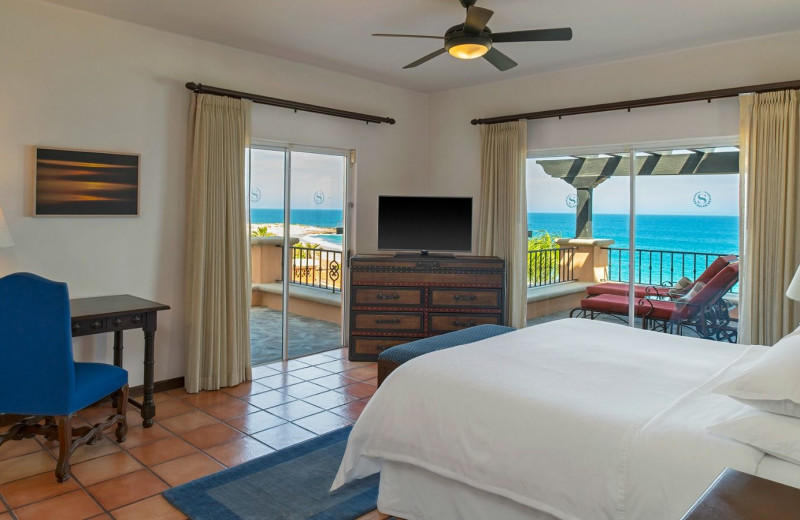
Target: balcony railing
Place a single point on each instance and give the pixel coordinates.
(550, 266)
(658, 267)
(315, 267)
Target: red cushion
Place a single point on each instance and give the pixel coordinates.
(621, 289)
(616, 304)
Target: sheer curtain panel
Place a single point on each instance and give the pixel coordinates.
(218, 259)
(503, 227)
(770, 176)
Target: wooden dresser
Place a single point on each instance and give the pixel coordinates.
(395, 300)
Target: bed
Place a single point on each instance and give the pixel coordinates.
(572, 419)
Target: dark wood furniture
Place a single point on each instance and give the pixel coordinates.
(116, 314)
(395, 300)
(738, 496)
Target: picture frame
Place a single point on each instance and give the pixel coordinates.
(85, 183)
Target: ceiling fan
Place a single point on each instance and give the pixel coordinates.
(474, 39)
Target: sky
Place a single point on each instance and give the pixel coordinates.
(317, 180)
(656, 194)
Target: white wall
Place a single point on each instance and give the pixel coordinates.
(75, 80)
(454, 158)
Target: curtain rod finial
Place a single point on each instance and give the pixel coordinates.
(195, 87)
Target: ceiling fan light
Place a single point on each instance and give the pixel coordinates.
(468, 48)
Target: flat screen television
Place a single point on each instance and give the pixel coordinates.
(425, 224)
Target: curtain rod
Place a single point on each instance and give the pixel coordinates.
(285, 103)
(639, 103)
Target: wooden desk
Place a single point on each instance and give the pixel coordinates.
(116, 314)
(739, 496)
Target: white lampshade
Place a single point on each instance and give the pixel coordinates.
(5, 234)
(793, 291)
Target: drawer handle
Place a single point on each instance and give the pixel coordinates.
(76, 326)
(470, 297)
(136, 319)
(380, 321)
(96, 324)
(117, 322)
(393, 296)
(459, 323)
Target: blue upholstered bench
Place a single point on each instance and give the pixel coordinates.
(393, 357)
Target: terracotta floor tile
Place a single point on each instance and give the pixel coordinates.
(230, 410)
(309, 373)
(256, 422)
(177, 393)
(329, 399)
(103, 516)
(26, 466)
(5, 516)
(323, 422)
(12, 449)
(340, 365)
(373, 381)
(76, 505)
(212, 435)
(350, 410)
(126, 489)
(33, 489)
(87, 452)
(134, 416)
(171, 409)
(359, 390)
(294, 410)
(279, 380)
(305, 389)
(161, 397)
(316, 359)
(362, 373)
(154, 508)
(334, 381)
(206, 399)
(247, 388)
(269, 399)
(263, 371)
(105, 468)
(186, 469)
(187, 422)
(239, 451)
(162, 451)
(284, 435)
(139, 435)
(338, 353)
(287, 366)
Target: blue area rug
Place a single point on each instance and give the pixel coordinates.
(290, 484)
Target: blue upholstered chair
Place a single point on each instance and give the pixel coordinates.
(40, 378)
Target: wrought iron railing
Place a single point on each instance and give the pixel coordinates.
(316, 267)
(658, 267)
(550, 266)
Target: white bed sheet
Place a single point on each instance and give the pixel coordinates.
(575, 418)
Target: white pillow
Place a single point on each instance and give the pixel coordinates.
(772, 383)
(681, 302)
(777, 435)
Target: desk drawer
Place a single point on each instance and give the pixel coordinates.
(83, 327)
(485, 298)
(387, 296)
(374, 346)
(444, 322)
(411, 321)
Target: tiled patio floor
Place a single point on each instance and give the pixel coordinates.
(193, 435)
(306, 335)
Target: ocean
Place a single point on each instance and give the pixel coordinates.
(330, 218)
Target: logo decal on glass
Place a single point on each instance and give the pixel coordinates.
(255, 194)
(701, 199)
(319, 197)
(572, 201)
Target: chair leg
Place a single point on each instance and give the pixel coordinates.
(122, 420)
(64, 423)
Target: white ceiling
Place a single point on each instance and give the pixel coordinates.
(335, 34)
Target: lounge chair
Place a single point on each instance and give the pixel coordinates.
(646, 291)
(702, 309)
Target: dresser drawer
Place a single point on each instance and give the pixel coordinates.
(374, 346)
(387, 296)
(485, 298)
(79, 328)
(444, 322)
(411, 321)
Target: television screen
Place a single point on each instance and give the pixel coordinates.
(425, 223)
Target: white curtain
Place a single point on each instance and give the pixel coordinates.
(503, 215)
(770, 176)
(218, 259)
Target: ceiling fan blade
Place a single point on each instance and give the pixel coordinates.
(499, 60)
(409, 36)
(426, 58)
(477, 18)
(535, 35)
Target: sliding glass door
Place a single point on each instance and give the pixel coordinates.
(298, 227)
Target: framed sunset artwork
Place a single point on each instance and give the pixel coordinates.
(85, 183)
